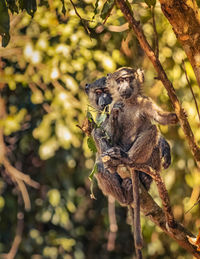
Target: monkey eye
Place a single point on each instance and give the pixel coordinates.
(119, 80)
(98, 91)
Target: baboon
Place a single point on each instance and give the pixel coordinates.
(110, 182)
(132, 114)
(131, 132)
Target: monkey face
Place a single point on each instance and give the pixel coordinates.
(125, 86)
(124, 83)
(98, 94)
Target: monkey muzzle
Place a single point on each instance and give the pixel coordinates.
(126, 93)
(104, 100)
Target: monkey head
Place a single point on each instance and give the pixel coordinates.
(125, 82)
(98, 93)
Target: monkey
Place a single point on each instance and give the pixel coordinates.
(131, 131)
(111, 183)
(108, 182)
(132, 113)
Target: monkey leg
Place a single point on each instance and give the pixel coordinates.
(110, 184)
(137, 225)
(143, 146)
(138, 250)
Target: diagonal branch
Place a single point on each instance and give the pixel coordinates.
(184, 16)
(151, 210)
(135, 25)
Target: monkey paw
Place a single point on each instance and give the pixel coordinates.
(118, 107)
(173, 119)
(115, 153)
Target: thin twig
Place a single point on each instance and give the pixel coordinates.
(15, 175)
(25, 195)
(113, 224)
(196, 203)
(18, 238)
(19, 175)
(188, 81)
(161, 189)
(156, 42)
(82, 20)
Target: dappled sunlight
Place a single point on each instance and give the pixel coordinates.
(44, 69)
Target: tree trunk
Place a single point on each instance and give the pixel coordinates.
(184, 17)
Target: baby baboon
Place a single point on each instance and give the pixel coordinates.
(110, 184)
(133, 113)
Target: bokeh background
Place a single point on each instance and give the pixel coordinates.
(43, 71)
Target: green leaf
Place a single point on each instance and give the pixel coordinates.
(89, 116)
(101, 119)
(4, 23)
(91, 144)
(91, 178)
(107, 8)
(94, 170)
(95, 9)
(150, 2)
(63, 7)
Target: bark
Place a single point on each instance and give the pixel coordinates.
(184, 17)
(135, 25)
(151, 210)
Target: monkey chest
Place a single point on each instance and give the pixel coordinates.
(130, 122)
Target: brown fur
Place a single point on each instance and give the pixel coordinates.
(134, 113)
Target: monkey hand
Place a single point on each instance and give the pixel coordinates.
(173, 119)
(115, 153)
(118, 107)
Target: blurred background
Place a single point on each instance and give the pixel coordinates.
(43, 71)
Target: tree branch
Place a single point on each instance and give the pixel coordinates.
(151, 210)
(15, 175)
(184, 17)
(135, 25)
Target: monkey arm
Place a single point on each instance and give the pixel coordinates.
(156, 113)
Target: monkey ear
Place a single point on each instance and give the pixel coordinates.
(140, 75)
(87, 88)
